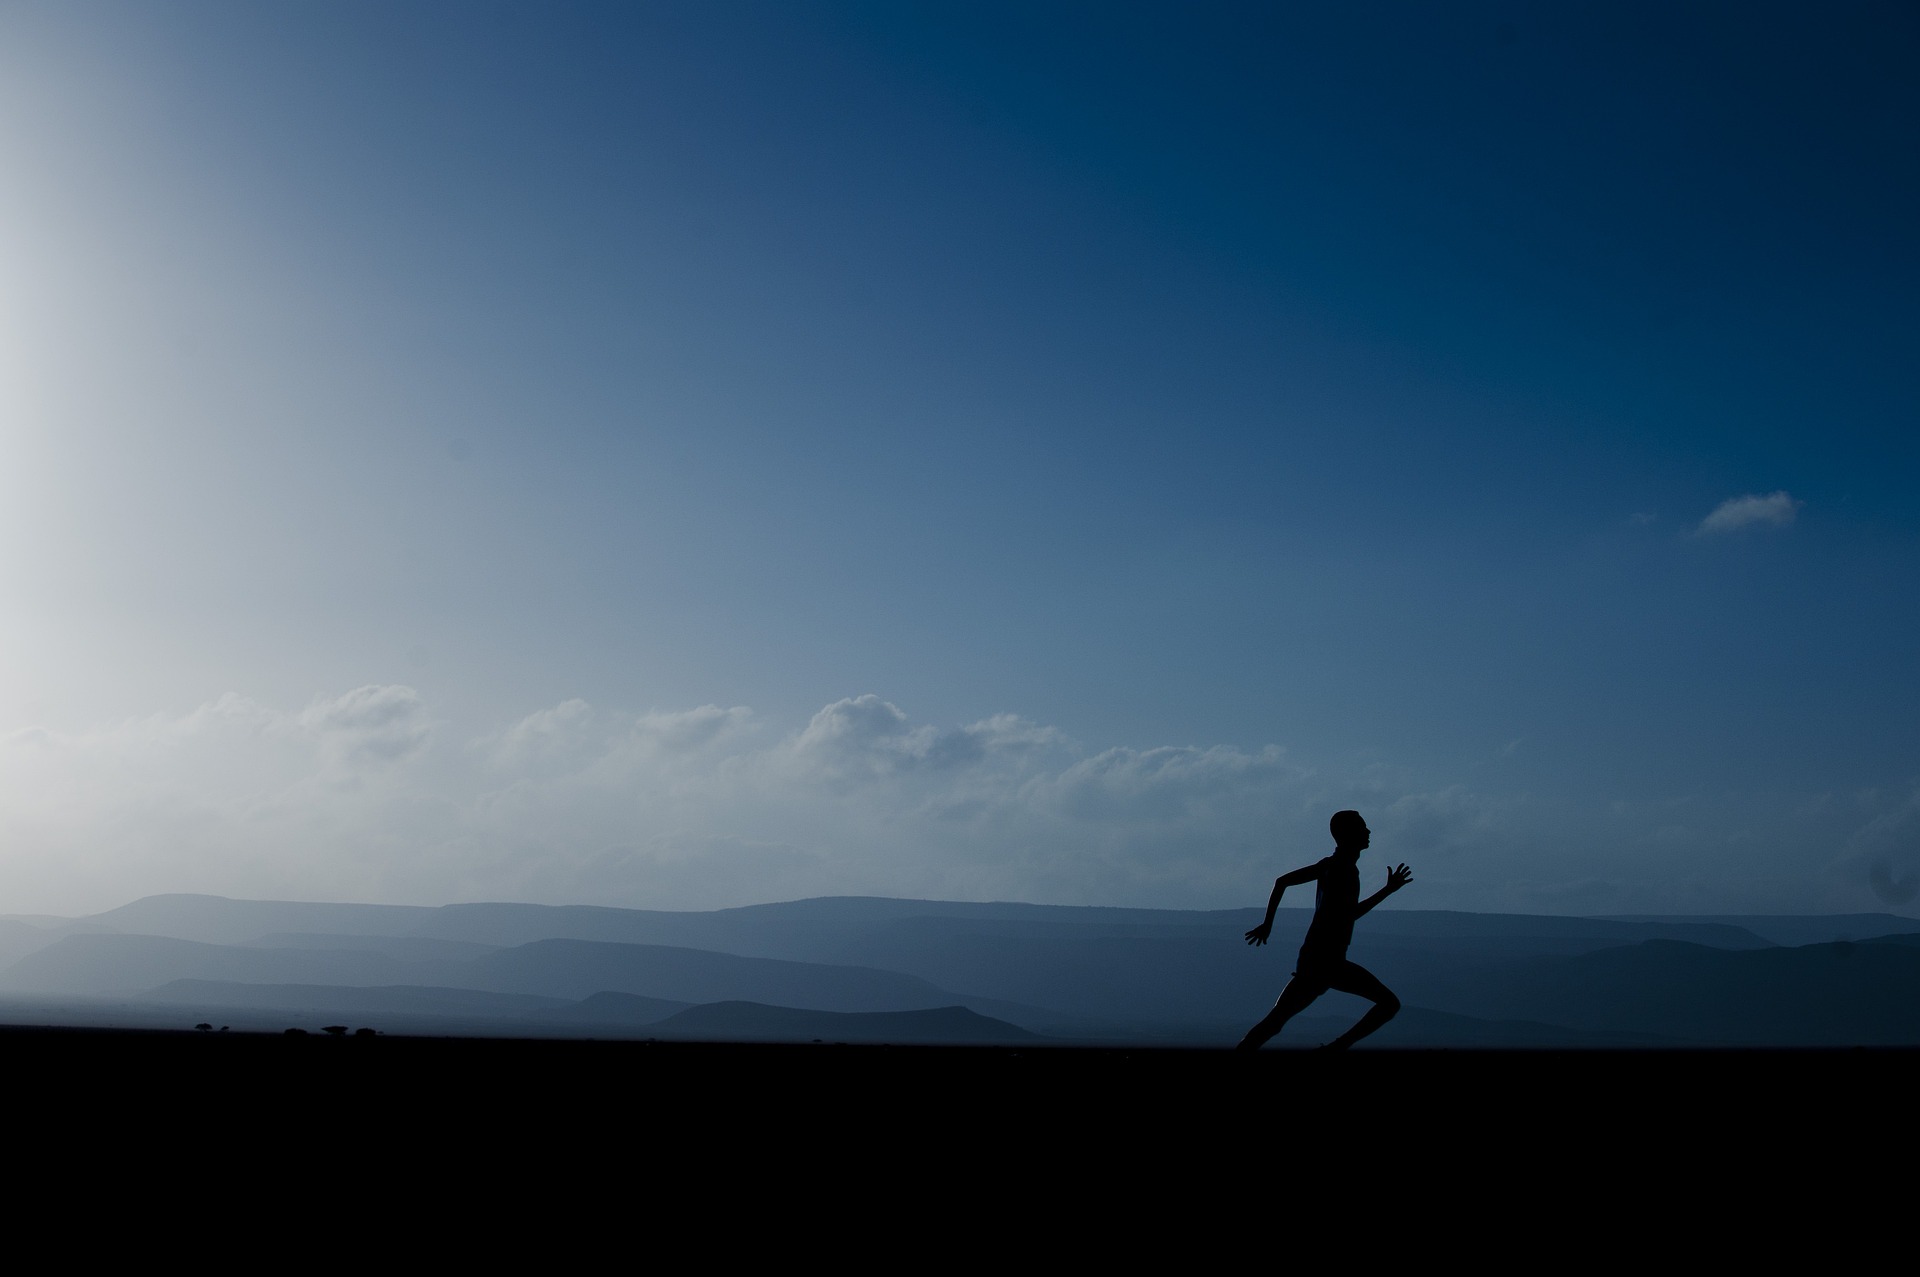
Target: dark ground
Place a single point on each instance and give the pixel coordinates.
(1210, 1152)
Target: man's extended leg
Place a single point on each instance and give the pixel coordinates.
(1295, 998)
(1356, 979)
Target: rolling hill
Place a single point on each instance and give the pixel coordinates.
(1066, 972)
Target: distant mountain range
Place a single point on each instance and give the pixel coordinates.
(872, 969)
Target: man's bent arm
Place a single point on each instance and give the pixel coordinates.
(1304, 874)
(1396, 879)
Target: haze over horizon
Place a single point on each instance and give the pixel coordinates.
(682, 456)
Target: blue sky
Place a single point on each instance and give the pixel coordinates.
(686, 455)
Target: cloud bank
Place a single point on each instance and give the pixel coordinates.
(366, 796)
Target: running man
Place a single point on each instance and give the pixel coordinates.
(1323, 961)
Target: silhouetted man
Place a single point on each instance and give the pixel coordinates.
(1323, 961)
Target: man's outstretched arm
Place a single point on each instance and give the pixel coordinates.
(1306, 873)
(1397, 877)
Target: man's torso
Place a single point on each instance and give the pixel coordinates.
(1335, 901)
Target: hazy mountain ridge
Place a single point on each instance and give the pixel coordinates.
(99, 965)
(412, 948)
(755, 1022)
(405, 999)
(114, 965)
(1067, 972)
(578, 968)
(799, 929)
(448, 1009)
(623, 1010)
(1792, 930)
(1838, 994)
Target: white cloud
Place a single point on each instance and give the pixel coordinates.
(861, 736)
(549, 735)
(690, 730)
(376, 725)
(864, 737)
(1166, 784)
(1776, 508)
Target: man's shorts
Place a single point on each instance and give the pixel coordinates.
(1316, 975)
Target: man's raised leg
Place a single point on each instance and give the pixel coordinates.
(1356, 979)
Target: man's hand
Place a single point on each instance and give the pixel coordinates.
(1259, 934)
(1398, 877)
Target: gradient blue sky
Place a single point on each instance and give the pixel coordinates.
(689, 454)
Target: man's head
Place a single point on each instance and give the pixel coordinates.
(1349, 831)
